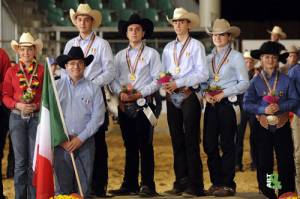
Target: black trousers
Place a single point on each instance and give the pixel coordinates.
(220, 128)
(4, 115)
(100, 171)
(239, 149)
(280, 141)
(184, 125)
(137, 136)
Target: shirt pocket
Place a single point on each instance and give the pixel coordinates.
(86, 103)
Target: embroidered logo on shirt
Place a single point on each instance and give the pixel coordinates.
(187, 54)
(93, 50)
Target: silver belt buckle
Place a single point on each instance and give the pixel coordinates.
(25, 115)
(272, 120)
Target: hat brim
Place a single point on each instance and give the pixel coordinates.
(192, 17)
(95, 14)
(146, 24)
(37, 43)
(233, 30)
(281, 34)
(62, 60)
(257, 53)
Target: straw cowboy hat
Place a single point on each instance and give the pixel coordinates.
(278, 30)
(270, 47)
(27, 39)
(292, 49)
(74, 53)
(221, 26)
(85, 9)
(181, 13)
(146, 24)
(247, 55)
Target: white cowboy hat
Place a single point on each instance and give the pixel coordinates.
(278, 30)
(221, 26)
(85, 9)
(247, 55)
(26, 39)
(181, 13)
(292, 49)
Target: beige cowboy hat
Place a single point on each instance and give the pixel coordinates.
(221, 26)
(85, 9)
(292, 49)
(27, 39)
(278, 30)
(247, 55)
(181, 13)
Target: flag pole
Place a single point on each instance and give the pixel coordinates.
(64, 126)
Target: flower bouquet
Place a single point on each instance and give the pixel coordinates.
(164, 77)
(271, 98)
(213, 90)
(72, 196)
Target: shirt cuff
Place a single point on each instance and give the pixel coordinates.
(261, 110)
(82, 136)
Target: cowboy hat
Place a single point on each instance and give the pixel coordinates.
(221, 26)
(278, 30)
(26, 39)
(270, 47)
(181, 13)
(292, 49)
(74, 53)
(247, 55)
(146, 24)
(85, 9)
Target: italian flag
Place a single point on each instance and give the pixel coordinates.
(50, 133)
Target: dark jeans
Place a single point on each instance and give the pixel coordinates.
(280, 141)
(239, 145)
(137, 135)
(23, 134)
(220, 128)
(4, 115)
(184, 125)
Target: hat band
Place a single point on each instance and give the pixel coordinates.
(26, 43)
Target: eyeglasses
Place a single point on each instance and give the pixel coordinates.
(75, 63)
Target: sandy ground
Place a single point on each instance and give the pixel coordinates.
(164, 175)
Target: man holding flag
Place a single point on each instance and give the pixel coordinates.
(76, 122)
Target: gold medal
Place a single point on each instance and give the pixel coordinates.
(272, 120)
(132, 77)
(177, 69)
(216, 77)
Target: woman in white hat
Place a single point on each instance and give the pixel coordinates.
(228, 72)
(101, 72)
(22, 88)
(184, 58)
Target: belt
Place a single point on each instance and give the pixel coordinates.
(282, 119)
(185, 90)
(28, 115)
(122, 104)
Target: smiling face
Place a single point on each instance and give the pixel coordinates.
(181, 26)
(75, 69)
(84, 23)
(221, 40)
(269, 61)
(26, 54)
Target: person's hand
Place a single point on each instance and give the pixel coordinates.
(271, 109)
(124, 97)
(219, 97)
(65, 145)
(170, 87)
(26, 108)
(210, 99)
(74, 144)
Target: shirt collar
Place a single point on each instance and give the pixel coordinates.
(267, 76)
(88, 38)
(79, 82)
(222, 51)
(136, 48)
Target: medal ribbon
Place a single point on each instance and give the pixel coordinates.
(217, 70)
(131, 68)
(273, 89)
(28, 83)
(87, 49)
(185, 45)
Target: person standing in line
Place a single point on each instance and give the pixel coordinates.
(294, 74)
(229, 77)
(138, 67)
(22, 88)
(184, 58)
(4, 113)
(101, 72)
(270, 97)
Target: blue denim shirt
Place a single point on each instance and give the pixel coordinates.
(294, 74)
(253, 98)
(82, 106)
